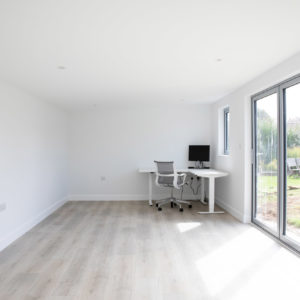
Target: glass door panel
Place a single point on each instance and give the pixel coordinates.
(266, 162)
(291, 214)
(276, 161)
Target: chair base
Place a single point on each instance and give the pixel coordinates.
(173, 201)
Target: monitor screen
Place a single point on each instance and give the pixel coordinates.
(199, 153)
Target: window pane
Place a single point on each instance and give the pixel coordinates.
(292, 102)
(226, 130)
(266, 161)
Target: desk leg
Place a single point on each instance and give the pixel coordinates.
(150, 188)
(202, 191)
(211, 203)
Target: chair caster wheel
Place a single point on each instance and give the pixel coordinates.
(172, 204)
(159, 209)
(181, 209)
(190, 206)
(156, 204)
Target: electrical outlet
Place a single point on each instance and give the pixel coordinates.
(2, 206)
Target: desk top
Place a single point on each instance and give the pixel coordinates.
(208, 173)
(196, 172)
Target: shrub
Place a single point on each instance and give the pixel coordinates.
(293, 139)
(271, 166)
(294, 221)
(293, 152)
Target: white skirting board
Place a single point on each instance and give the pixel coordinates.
(233, 211)
(107, 197)
(122, 197)
(12, 236)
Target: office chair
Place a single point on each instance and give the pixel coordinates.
(167, 177)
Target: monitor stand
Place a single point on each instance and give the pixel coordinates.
(199, 165)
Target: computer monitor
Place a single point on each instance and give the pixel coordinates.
(199, 153)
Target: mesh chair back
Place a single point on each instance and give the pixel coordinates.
(165, 167)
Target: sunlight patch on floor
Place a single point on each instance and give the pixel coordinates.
(223, 268)
(183, 227)
(276, 278)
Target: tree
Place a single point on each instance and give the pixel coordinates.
(293, 139)
(266, 137)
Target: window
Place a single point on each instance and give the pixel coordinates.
(226, 116)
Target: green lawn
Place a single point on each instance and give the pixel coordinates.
(267, 198)
(269, 183)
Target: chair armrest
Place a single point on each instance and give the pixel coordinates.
(175, 181)
(166, 175)
(175, 176)
(159, 175)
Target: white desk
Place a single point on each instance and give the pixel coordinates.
(211, 174)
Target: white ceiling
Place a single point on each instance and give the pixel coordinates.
(146, 51)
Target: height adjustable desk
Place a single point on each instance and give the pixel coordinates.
(211, 174)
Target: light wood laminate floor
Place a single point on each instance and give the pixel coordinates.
(128, 250)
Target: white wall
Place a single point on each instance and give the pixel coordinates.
(33, 161)
(234, 192)
(115, 142)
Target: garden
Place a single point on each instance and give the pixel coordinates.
(267, 186)
(267, 201)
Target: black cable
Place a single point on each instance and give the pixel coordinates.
(196, 191)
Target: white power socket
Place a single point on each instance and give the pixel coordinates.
(2, 206)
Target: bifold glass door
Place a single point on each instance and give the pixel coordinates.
(291, 125)
(266, 149)
(276, 161)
